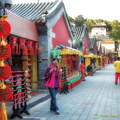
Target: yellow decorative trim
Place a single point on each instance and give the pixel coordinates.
(71, 52)
(4, 18)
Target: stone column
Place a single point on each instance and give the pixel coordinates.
(43, 57)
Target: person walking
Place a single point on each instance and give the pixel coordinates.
(53, 83)
(90, 69)
(82, 70)
(117, 70)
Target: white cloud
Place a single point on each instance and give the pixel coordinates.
(93, 9)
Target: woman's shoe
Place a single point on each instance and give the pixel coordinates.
(52, 110)
(83, 80)
(57, 112)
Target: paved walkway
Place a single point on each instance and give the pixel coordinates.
(97, 98)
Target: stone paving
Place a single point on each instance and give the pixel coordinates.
(97, 98)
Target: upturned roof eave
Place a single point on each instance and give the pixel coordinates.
(54, 9)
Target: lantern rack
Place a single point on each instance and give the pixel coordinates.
(18, 88)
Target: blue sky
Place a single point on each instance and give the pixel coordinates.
(91, 9)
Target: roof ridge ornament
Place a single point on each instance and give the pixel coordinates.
(4, 4)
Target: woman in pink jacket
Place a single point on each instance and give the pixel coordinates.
(53, 83)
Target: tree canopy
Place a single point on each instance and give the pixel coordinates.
(113, 27)
(115, 33)
(80, 21)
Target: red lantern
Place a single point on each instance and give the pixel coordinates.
(22, 43)
(13, 43)
(5, 72)
(29, 45)
(4, 29)
(5, 51)
(5, 94)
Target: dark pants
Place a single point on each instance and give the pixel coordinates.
(90, 71)
(53, 105)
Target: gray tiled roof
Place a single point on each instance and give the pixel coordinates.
(92, 42)
(32, 11)
(103, 38)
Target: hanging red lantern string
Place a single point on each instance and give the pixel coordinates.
(5, 70)
(14, 44)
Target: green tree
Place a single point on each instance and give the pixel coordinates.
(115, 35)
(79, 21)
(98, 21)
(108, 25)
(115, 23)
(71, 20)
(89, 23)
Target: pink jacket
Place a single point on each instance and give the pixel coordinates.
(51, 80)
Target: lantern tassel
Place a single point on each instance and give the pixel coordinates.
(2, 64)
(4, 18)
(3, 43)
(3, 112)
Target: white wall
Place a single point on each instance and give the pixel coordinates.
(98, 31)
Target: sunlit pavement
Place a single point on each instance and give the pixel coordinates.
(97, 98)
